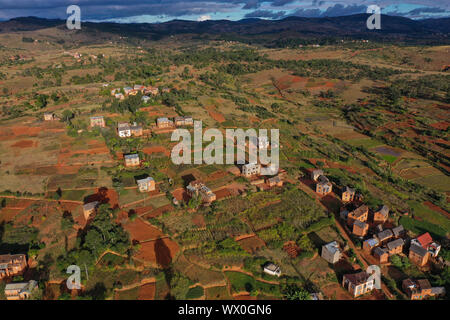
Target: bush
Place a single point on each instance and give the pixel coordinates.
(195, 293)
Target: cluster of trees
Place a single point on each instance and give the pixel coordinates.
(334, 69)
(88, 78)
(101, 235)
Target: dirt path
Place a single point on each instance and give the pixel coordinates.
(142, 200)
(41, 199)
(137, 284)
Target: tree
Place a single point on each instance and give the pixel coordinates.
(396, 261)
(41, 101)
(67, 116)
(179, 286)
(294, 292)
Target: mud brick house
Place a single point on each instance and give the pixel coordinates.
(251, 169)
(49, 116)
(146, 185)
(426, 242)
(136, 130)
(274, 181)
(124, 130)
(381, 215)
(381, 254)
(395, 247)
(348, 194)
(421, 289)
(97, 122)
(360, 229)
(12, 265)
(316, 174)
(398, 231)
(197, 188)
(20, 291)
(89, 209)
(361, 213)
(151, 90)
(164, 123)
(384, 236)
(358, 283)
(418, 255)
(331, 252)
(119, 96)
(131, 160)
(139, 87)
(272, 269)
(184, 121)
(128, 90)
(323, 186)
(115, 91)
(370, 244)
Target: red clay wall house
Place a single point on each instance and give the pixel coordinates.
(418, 255)
(12, 265)
(360, 214)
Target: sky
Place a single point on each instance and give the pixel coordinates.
(139, 11)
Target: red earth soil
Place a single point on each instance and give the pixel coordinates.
(104, 195)
(198, 220)
(180, 194)
(147, 291)
(215, 115)
(156, 149)
(251, 244)
(25, 144)
(160, 251)
(141, 231)
(436, 208)
(443, 125)
(244, 297)
(159, 211)
(223, 193)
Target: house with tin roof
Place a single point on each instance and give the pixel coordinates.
(132, 160)
(360, 229)
(12, 265)
(323, 185)
(146, 185)
(381, 215)
(418, 255)
(361, 214)
(370, 244)
(395, 247)
(20, 291)
(381, 254)
(421, 289)
(272, 269)
(331, 252)
(384, 236)
(358, 283)
(426, 241)
(348, 194)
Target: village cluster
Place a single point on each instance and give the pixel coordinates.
(379, 242)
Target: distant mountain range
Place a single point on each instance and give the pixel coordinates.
(272, 32)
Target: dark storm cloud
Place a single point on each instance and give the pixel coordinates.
(280, 3)
(114, 9)
(334, 11)
(427, 10)
(266, 14)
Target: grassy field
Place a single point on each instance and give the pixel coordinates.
(242, 282)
